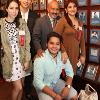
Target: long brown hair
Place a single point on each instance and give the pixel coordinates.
(66, 14)
(18, 16)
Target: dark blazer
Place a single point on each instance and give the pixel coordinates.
(32, 17)
(42, 28)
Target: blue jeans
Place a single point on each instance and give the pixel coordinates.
(57, 88)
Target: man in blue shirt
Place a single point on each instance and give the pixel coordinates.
(47, 70)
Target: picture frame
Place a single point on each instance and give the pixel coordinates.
(42, 4)
(82, 14)
(91, 71)
(35, 5)
(82, 2)
(94, 54)
(95, 36)
(61, 3)
(80, 70)
(85, 34)
(95, 2)
(95, 17)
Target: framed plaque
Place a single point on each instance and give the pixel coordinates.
(35, 5)
(83, 16)
(95, 17)
(95, 2)
(95, 36)
(94, 54)
(61, 3)
(91, 71)
(82, 2)
(42, 4)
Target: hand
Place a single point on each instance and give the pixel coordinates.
(40, 53)
(64, 57)
(64, 92)
(58, 97)
(26, 65)
(82, 59)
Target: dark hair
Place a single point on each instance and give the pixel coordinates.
(18, 16)
(66, 14)
(54, 34)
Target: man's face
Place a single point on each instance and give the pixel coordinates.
(25, 3)
(53, 9)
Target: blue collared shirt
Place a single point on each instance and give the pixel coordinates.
(47, 71)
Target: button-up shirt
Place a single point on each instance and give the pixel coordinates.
(47, 71)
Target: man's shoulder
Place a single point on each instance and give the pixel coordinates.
(43, 18)
(33, 13)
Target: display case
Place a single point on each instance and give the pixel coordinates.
(89, 13)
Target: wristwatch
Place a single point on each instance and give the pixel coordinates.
(68, 86)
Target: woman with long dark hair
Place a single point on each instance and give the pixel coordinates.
(15, 38)
(71, 29)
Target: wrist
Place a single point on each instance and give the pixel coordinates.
(68, 86)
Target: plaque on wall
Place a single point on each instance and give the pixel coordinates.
(95, 36)
(42, 4)
(94, 55)
(61, 3)
(35, 5)
(91, 71)
(82, 2)
(95, 2)
(85, 34)
(95, 17)
(83, 16)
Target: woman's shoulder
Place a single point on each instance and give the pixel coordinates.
(1, 20)
(62, 19)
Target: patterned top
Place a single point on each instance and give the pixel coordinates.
(17, 69)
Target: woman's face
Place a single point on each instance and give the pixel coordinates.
(53, 45)
(71, 9)
(12, 10)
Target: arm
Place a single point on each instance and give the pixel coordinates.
(64, 55)
(82, 48)
(27, 48)
(59, 29)
(69, 78)
(39, 77)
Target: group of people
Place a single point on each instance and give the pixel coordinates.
(44, 45)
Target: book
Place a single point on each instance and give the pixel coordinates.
(80, 69)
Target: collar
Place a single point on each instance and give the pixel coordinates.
(51, 19)
(25, 15)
